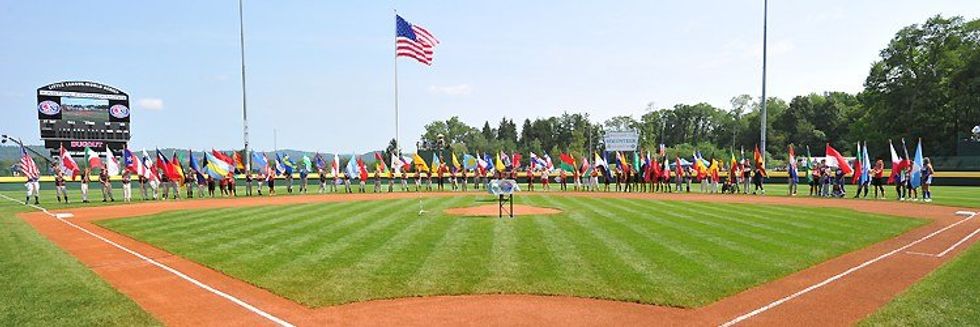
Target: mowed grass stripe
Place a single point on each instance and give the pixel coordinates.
(288, 221)
(687, 222)
(666, 248)
(757, 225)
(284, 253)
(368, 256)
(762, 243)
(797, 219)
(629, 272)
(503, 263)
(719, 250)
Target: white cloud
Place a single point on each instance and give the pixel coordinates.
(150, 104)
(454, 90)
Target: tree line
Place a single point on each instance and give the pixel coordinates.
(926, 85)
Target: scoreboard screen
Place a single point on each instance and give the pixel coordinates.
(79, 114)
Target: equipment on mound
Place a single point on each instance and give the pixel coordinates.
(504, 189)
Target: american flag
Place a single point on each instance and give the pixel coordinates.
(413, 41)
(27, 165)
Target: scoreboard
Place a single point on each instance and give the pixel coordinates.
(80, 114)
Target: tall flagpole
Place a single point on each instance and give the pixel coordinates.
(765, 18)
(241, 35)
(398, 143)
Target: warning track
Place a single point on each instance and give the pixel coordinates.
(840, 291)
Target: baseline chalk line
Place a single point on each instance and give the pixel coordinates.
(173, 271)
(823, 283)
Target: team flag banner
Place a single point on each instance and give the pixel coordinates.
(420, 164)
(217, 168)
(838, 159)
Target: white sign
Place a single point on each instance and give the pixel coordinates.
(621, 140)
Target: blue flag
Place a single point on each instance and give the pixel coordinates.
(917, 164)
(259, 162)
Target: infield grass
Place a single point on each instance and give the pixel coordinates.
(947, 297)
(684, 254)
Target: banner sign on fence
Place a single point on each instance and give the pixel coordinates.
(621, 140)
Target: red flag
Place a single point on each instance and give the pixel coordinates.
(362, 168)
(857, 166)
(678, 167)
(831, 152)
(516, 160)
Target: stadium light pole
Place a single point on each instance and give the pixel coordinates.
(762, 129)
(241, 38)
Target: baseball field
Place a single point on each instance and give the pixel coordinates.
(637, 258)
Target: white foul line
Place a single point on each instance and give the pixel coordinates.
(177, 273)
(838, 276)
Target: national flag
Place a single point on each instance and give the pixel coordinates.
(419, 163)
(499, 165)
(838, 159)
(537, 161)
(111, 164)
(699, 167)
(760, 161)
(636, 161)
(335, 167)
(308, 164)
(917, 164)
(178, 168)
(413, 41)
(92, 158)
(288, 164)
(239, 161)
(866, 164)
(713, 169)
(808, 164)
(549, 166)
(150, 171)
(27, 165)
(362, 169)
(259, 162)
(278, 168)
(320, 163)
(506, 159)
(662, 151)
(898, 164)
(352, 170)
(481, 162)
(489, 160)
(598, 162)
(217, 168)
(223, 157)
(133, 164)
(584, 170)
(68, 164)
(164, 165)
(436, 164)
(196, 168)
(567, 162)
(733, 165)
(455, 162)
(858, 170)
(469, 162)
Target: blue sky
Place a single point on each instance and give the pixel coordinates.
(320, 72)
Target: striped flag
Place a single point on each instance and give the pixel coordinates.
(27, 165)
(413, 41)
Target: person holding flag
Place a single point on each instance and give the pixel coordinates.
(878, 179)
(106, 186)
(59, 186)
(794, 178)
(29, 168)
(927, 173)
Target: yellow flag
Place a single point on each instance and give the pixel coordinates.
(419, 163)
(499, 165)
(456, 161)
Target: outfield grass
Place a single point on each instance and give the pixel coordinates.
(947, 297)
(659, 252)
(44, 286)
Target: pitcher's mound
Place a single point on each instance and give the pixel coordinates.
(491, 210)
